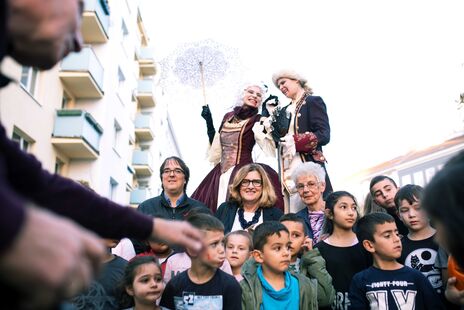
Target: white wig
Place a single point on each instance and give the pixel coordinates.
(309, 169)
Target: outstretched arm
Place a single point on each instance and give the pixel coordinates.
(206, 114)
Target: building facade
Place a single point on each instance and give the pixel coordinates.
(97, 117)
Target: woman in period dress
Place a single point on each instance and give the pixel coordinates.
(232, 146)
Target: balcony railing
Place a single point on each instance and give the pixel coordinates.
(77, 134)
(142, 163)
(95, 21)
(146, 61)
(82, 74)
(144, 127)
(139, 195)
(146, 93)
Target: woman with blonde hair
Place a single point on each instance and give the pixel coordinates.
(251, 202)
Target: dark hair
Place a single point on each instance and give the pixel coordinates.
(125, 300)
(371, 206)
(444, 201)
(379, 178)
(205, 221)
(365, 229)
(243, 233)
(330, 203)
(265, 230)
(182, 165)
(292, 217)
(410, 193)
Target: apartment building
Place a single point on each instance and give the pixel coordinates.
(98, 116)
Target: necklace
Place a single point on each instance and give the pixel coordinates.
(242, 220)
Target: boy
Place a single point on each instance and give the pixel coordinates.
(204, 285)
(388, 284)
(383, 190)
(267, 283)
(311, 264)
(419, 249)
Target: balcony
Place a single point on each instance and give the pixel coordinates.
(95, 21)
(139, 195)
(144, 127)
(76, 134)
(146, 94)
(142, 163)
(146, 61)
(82, 74)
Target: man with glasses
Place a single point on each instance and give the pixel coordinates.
(173, 203)
(309, 182)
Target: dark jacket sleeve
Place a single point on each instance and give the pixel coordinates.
(224, 214)
(319, 120)
(24, 176)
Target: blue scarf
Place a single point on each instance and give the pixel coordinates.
(286, 298)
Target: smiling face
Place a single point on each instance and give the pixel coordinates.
(147, 286)
(384, 193)
(275, 256)
(250, 191)
(290, 88)
(173, 178)
(345, 213)
(253, 96)
(412, 215)
(310, 189)
(237, 250)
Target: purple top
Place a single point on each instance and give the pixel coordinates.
(23, 180)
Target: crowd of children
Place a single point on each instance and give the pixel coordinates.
(358, 263)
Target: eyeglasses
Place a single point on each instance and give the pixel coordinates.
(255, 183)
(176, 171)
(310, 185)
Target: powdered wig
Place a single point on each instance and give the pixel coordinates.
(268, 196)
(242, 91)
(307, 169)
(292, 75)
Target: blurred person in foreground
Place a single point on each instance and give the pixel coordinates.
(47, 253)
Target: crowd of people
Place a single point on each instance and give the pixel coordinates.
(248, 238)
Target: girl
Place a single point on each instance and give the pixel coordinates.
(238, 249)
(343, 254)
(142, 284)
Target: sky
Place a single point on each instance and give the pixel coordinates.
(390, 72)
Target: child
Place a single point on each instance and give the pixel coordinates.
(204, 285)
(419, 248)
(343, 254)
(311, 264)
(267, 283)
(102, 293)
(388, 284)
(238, 249)
(142, 284)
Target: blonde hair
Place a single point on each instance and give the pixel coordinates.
(268, 196)
(242, 233)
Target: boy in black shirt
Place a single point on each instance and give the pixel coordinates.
(388, 284)
(204, 285)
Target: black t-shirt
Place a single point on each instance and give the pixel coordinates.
(342, 263)
(422, 255)
(222, 292)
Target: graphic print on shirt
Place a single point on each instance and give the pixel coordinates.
(191, 301)
(404, 299)
(423, 260)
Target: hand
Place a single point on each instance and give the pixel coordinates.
(205, 112)
(452, 293)
(307, 244)
(288, 146)
(41, 32)
(52, 259)
(177, 232)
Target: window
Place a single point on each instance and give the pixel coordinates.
(59, 164)
(22, 139)
(29, 79)
(113, 188)
(116, 137)
(419, 178)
